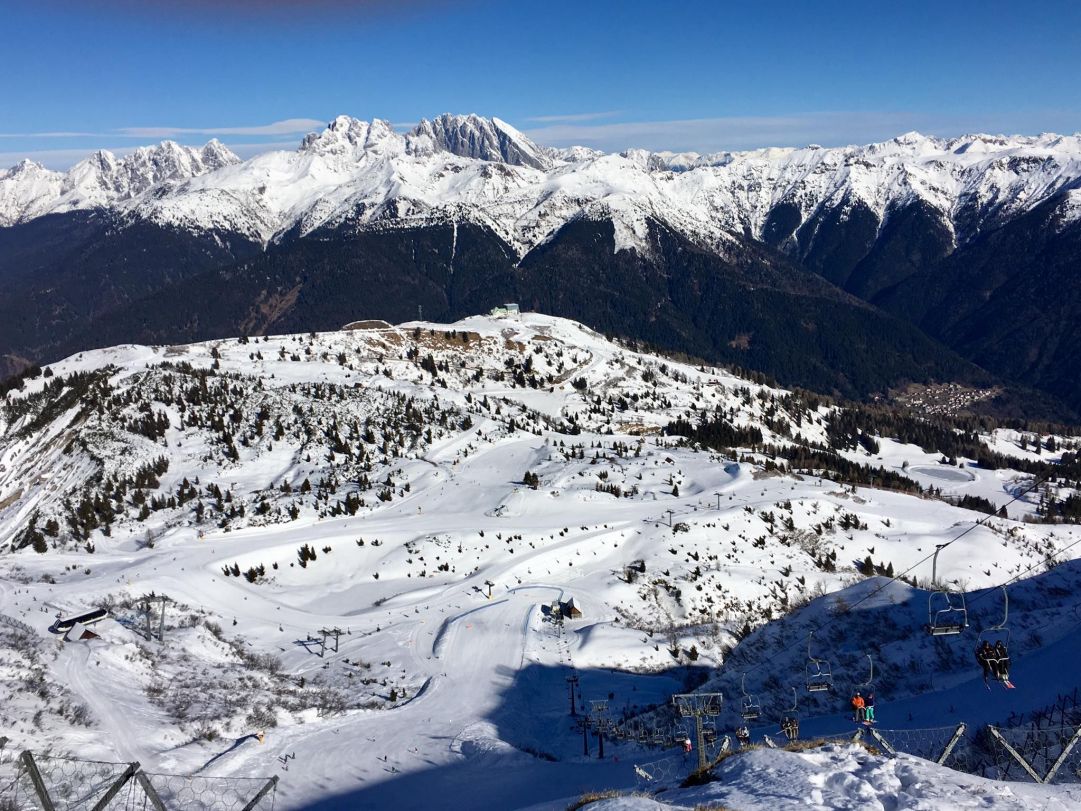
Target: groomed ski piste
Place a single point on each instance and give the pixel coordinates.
(448, 684)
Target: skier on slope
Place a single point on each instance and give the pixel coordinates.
(686, 747)
(743, 735)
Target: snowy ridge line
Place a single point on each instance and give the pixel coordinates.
(471, 169)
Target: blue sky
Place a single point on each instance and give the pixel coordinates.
(257, 74)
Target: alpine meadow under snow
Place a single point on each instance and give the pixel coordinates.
(366, 536)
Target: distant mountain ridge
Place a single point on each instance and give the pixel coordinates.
(881, 221)
(974, 182)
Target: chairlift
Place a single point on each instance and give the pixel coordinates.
(999, 632)
(793, 711)
(790, 721)
(750, 710)
(946, 611)
(819, 672)
(869, 685)
(996, 634)
(709, 730)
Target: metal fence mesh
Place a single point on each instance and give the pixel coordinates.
(29, 783)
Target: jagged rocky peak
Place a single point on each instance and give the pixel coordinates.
(147, 166)
(25, 168)
(350, 137)
(472, 136)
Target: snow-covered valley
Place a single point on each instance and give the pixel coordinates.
(430, 492)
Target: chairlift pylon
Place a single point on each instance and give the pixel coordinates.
(819, 672)
(946, 611)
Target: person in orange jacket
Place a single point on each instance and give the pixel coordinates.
(858, 705)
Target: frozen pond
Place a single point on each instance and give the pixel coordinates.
(949, 474)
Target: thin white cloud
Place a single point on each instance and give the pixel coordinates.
(288, 126)
(751, 132)
(50, 134)
(572, 117)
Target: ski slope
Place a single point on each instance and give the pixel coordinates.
(437, 689)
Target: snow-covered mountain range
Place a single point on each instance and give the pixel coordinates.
(485, 171)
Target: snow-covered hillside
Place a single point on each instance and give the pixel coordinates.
(430, 490)
(844, 778)
(467, 168)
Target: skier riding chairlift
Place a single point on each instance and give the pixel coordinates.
(994, 658)
(866, 691)
(790, 728)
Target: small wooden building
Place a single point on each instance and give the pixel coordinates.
(570, 609)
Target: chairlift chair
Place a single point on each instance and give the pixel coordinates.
(819, 672)
(946, 611)
(709, 731)
(793, 711)
(869, 685)
(750, 710)
(1000, 631)
(791, 716)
